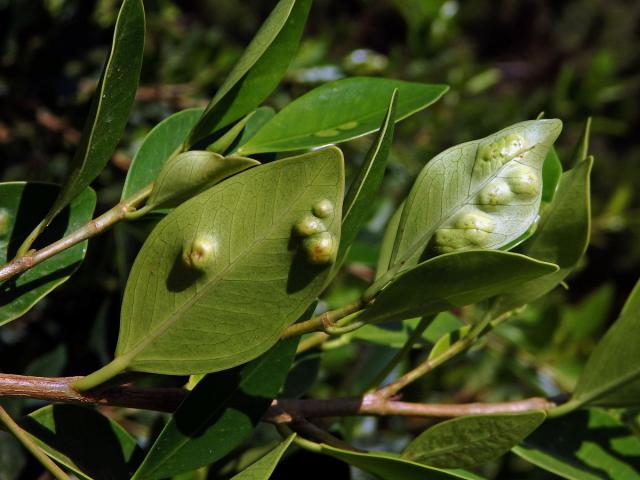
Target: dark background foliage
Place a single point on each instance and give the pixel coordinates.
(505, 61)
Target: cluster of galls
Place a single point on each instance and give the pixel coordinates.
(473, 226)
(319, 245)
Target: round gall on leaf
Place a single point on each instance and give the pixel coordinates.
(524, 180)
(323, 208)
(496, 193)
(201, 252)
(320, 248)
(309, 225)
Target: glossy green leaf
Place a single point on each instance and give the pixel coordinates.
(190, 173)
(218, 414)
(453, 280)
(110, 107)
(229, 137)
(387, 466)
(480, 194)
(163, 141)
(585, 445)
(89, 444)
(339, 111)
(396, 334)
(388, 240)
(23, 205)
(582, 148)
(551, 174)
(469, 441)
(260, 69)
(361, 196)
(259, 118)
(448, 339)
(562, 237)
(222, 275)
(263, 468)
(612, 374)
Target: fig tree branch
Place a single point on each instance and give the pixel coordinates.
(59, 390)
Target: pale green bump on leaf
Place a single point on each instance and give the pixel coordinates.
(179, 320)
(363, 191)
(23, 204)
(480, 194)
(562, 237)
(218, 414)
(469, 441)
(612, 375)
(192, 172)
(339, 111)
(161, 143)
(388, 466)
(264, 467)
(110, 107)
(90, 445)
(453, 280)
(585, 445)
(259, 70)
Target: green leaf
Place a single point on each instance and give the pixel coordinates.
(162, 142)
(551, 174)
(445, 341)
(339, 111)
(363, 191)
(396, 334)
(611, 376)
(259, 118)
(229, 137)
(223, 275)
(89, 444)
(387, 466)
(388, 240)
(469, 441)
(562, 237)
(585, 445)
(109, 111)
(480, 194)
(190, 173)
(453, 280)
(260, 69)
(22, 205)
(263, 468)
(582, 148)
(219, 413)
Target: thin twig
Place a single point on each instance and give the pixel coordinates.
(323, 322)
(28, 443)
(428, 365)
(281, 410)
(403, 352)
(90, 229)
